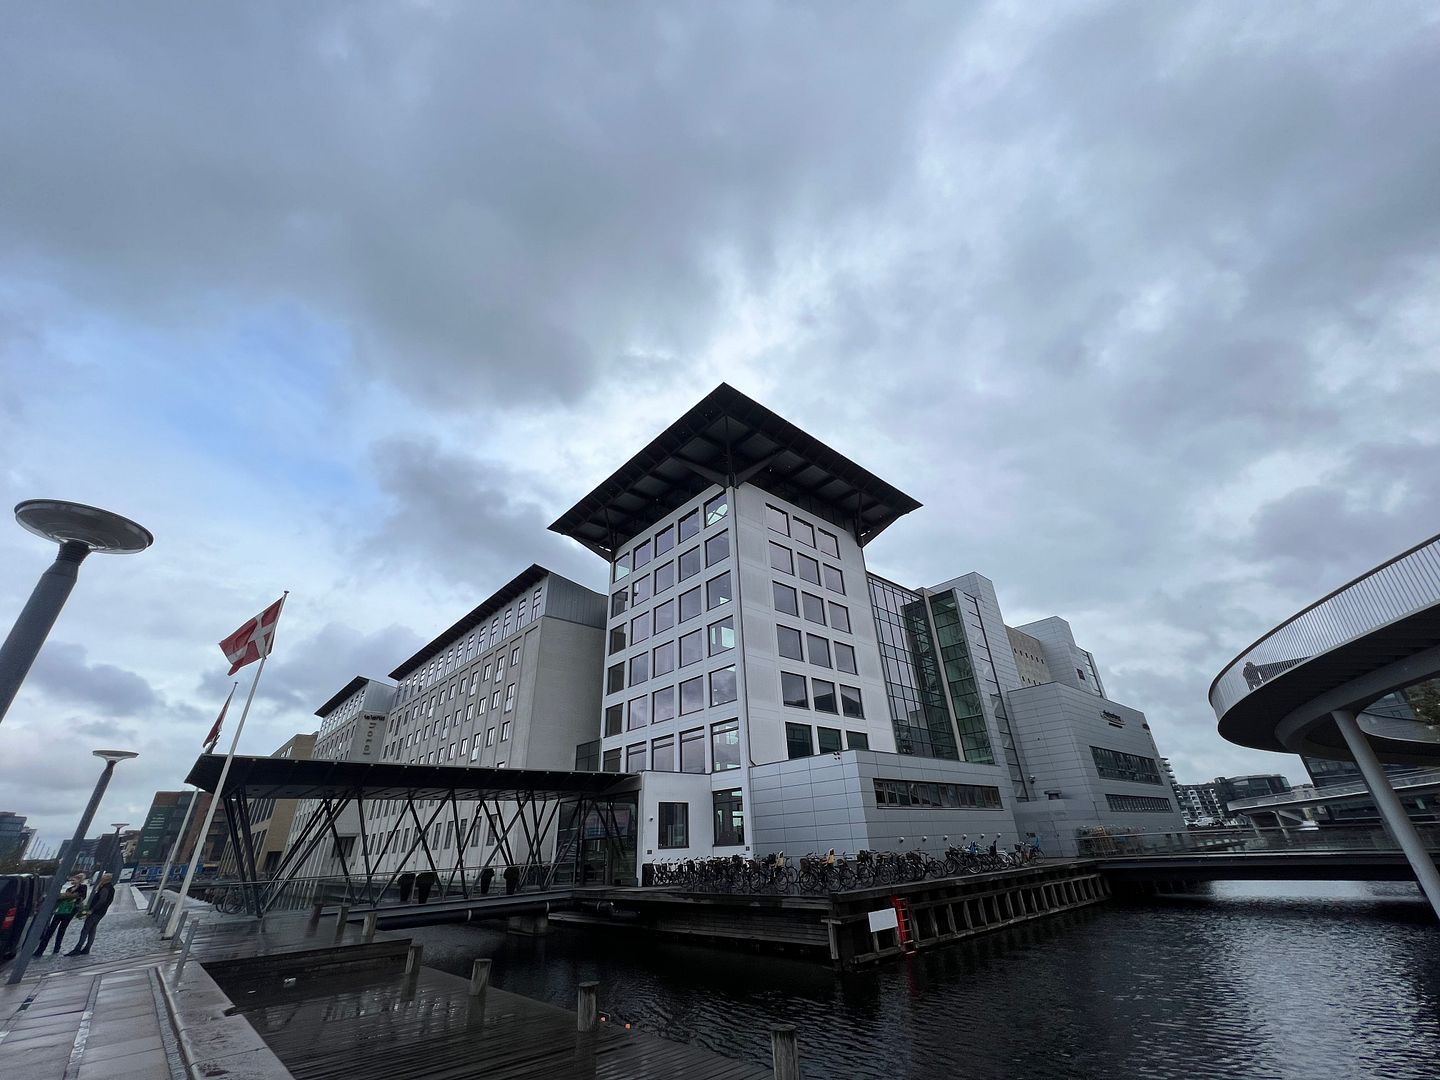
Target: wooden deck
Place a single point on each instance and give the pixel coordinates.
(388, 1027)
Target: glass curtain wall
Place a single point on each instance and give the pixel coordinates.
(960, 680)
(912, 679)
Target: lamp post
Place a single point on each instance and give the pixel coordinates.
(79, 530)
(117, 858)
(62, 869)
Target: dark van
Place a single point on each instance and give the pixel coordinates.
(19, 895)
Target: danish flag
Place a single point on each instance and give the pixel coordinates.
(254, 640)
(214, 736)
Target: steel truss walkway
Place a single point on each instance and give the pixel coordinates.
(528, 811)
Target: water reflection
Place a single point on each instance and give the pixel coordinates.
(1290, 980)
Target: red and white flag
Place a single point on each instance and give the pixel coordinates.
(253, 640)
(214, 736)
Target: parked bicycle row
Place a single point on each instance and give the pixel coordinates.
(829, 872)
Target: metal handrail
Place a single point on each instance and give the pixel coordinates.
(1358, 787)
(1400, 586)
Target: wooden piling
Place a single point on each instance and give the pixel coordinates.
(479, 978)
(587, 1009)
(785, 1052)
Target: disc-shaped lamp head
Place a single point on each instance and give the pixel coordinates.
(114, 755)
(97, 529)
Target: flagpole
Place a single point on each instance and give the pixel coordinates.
(174, 923)
(184, 824)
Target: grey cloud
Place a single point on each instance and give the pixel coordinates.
(64, 674)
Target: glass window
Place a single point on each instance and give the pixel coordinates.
(722, 635)
(662, 616)
(637, 713)
(639, 668)
(495, 700)
(778, 520)
(664, 540)
(617, 638)
(688, 526)
(692, 751)
(615, 678)
(689, 563)
(717, 548)
(635, 757)
(664, 659)
(510, 697)
(803, 531)
(834, 579)
(840, 617)
(614, 719)
(621, 568)
(692, 648)
(674, 824)
(640, 589)
(490, 737)
(845, 658)
(717, 508)
(813, 606)
(691, 604)
(829, 544)
(729, 819)
(725, 745)
(819, 651)
(722, 686)
(787, 599)
(792, 690)
(642, 555)
(797, 741)
(640, 627)
(829, 739)
(499, 667)
(789, 641)
(781, 559)
(809, 569)
(664, 705)
(610, 763)
(692, 695)
(504, 734)
(857, 740)
(717, 591)
(664, 577)
(824, 695)
(662, 754)
(850, 702)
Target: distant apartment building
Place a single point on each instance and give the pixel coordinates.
(1200, 803)
(270, 819)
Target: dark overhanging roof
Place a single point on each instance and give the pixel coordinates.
(340, 695)
(729, 439)
(288, 778)
(521, 583)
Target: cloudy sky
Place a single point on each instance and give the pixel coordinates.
(354, 299)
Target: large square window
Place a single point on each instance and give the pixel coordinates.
(692, 648)
(797, 741)
(664, 540)
(824, 695)
(840, 617)
(845, 658)
(664, 705)
(615, 679)
(789, 642)
(829, 544)
(857, 740)
(819, 652)
(851, 703)
(689, 563)
(662, 754)
(725, 746)
(829, 740)
(781, 559)
(691, 604)
(803, 531)
(664, 577)
(662, 616)
(778, 520)
(674, 824)
(640, 589)
(718, 591)
(617, 639)
(614, 719)
(717, 508)
(787, 600)
(664, 658)
(722, 686)
(639, 668)
(610, 763)
(729, 819)
(834, 579)
(812, 605)
(688, 526)
(808, 567)
(635, 757)
(717, 548)
(722, 636)
(792, 690)
(640, 627)
(692, 751)
(637, 713)
(692, 695)
(642, 554)
(621, 568)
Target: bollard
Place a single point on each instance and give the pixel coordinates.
(479, 978)
(185, 952)
(587, 1011)
(372, 923)
(341, 919)
(179, 926)
(785, 1052)
(315, 910)
(412, 959)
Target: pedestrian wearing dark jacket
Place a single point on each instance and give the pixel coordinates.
(100, 901)
(69, 899)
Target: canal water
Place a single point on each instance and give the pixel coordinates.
(1309, 981)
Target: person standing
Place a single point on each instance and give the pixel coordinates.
(65, 906)
(100, 901)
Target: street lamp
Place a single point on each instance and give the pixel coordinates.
(79, 530)
(118, 859)
(62, 869)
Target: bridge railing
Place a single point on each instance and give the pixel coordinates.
(1400, 783)
(1407, 583)
(1229, 841)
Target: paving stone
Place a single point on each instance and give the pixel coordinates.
(150, 1065)
(106, 1049)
